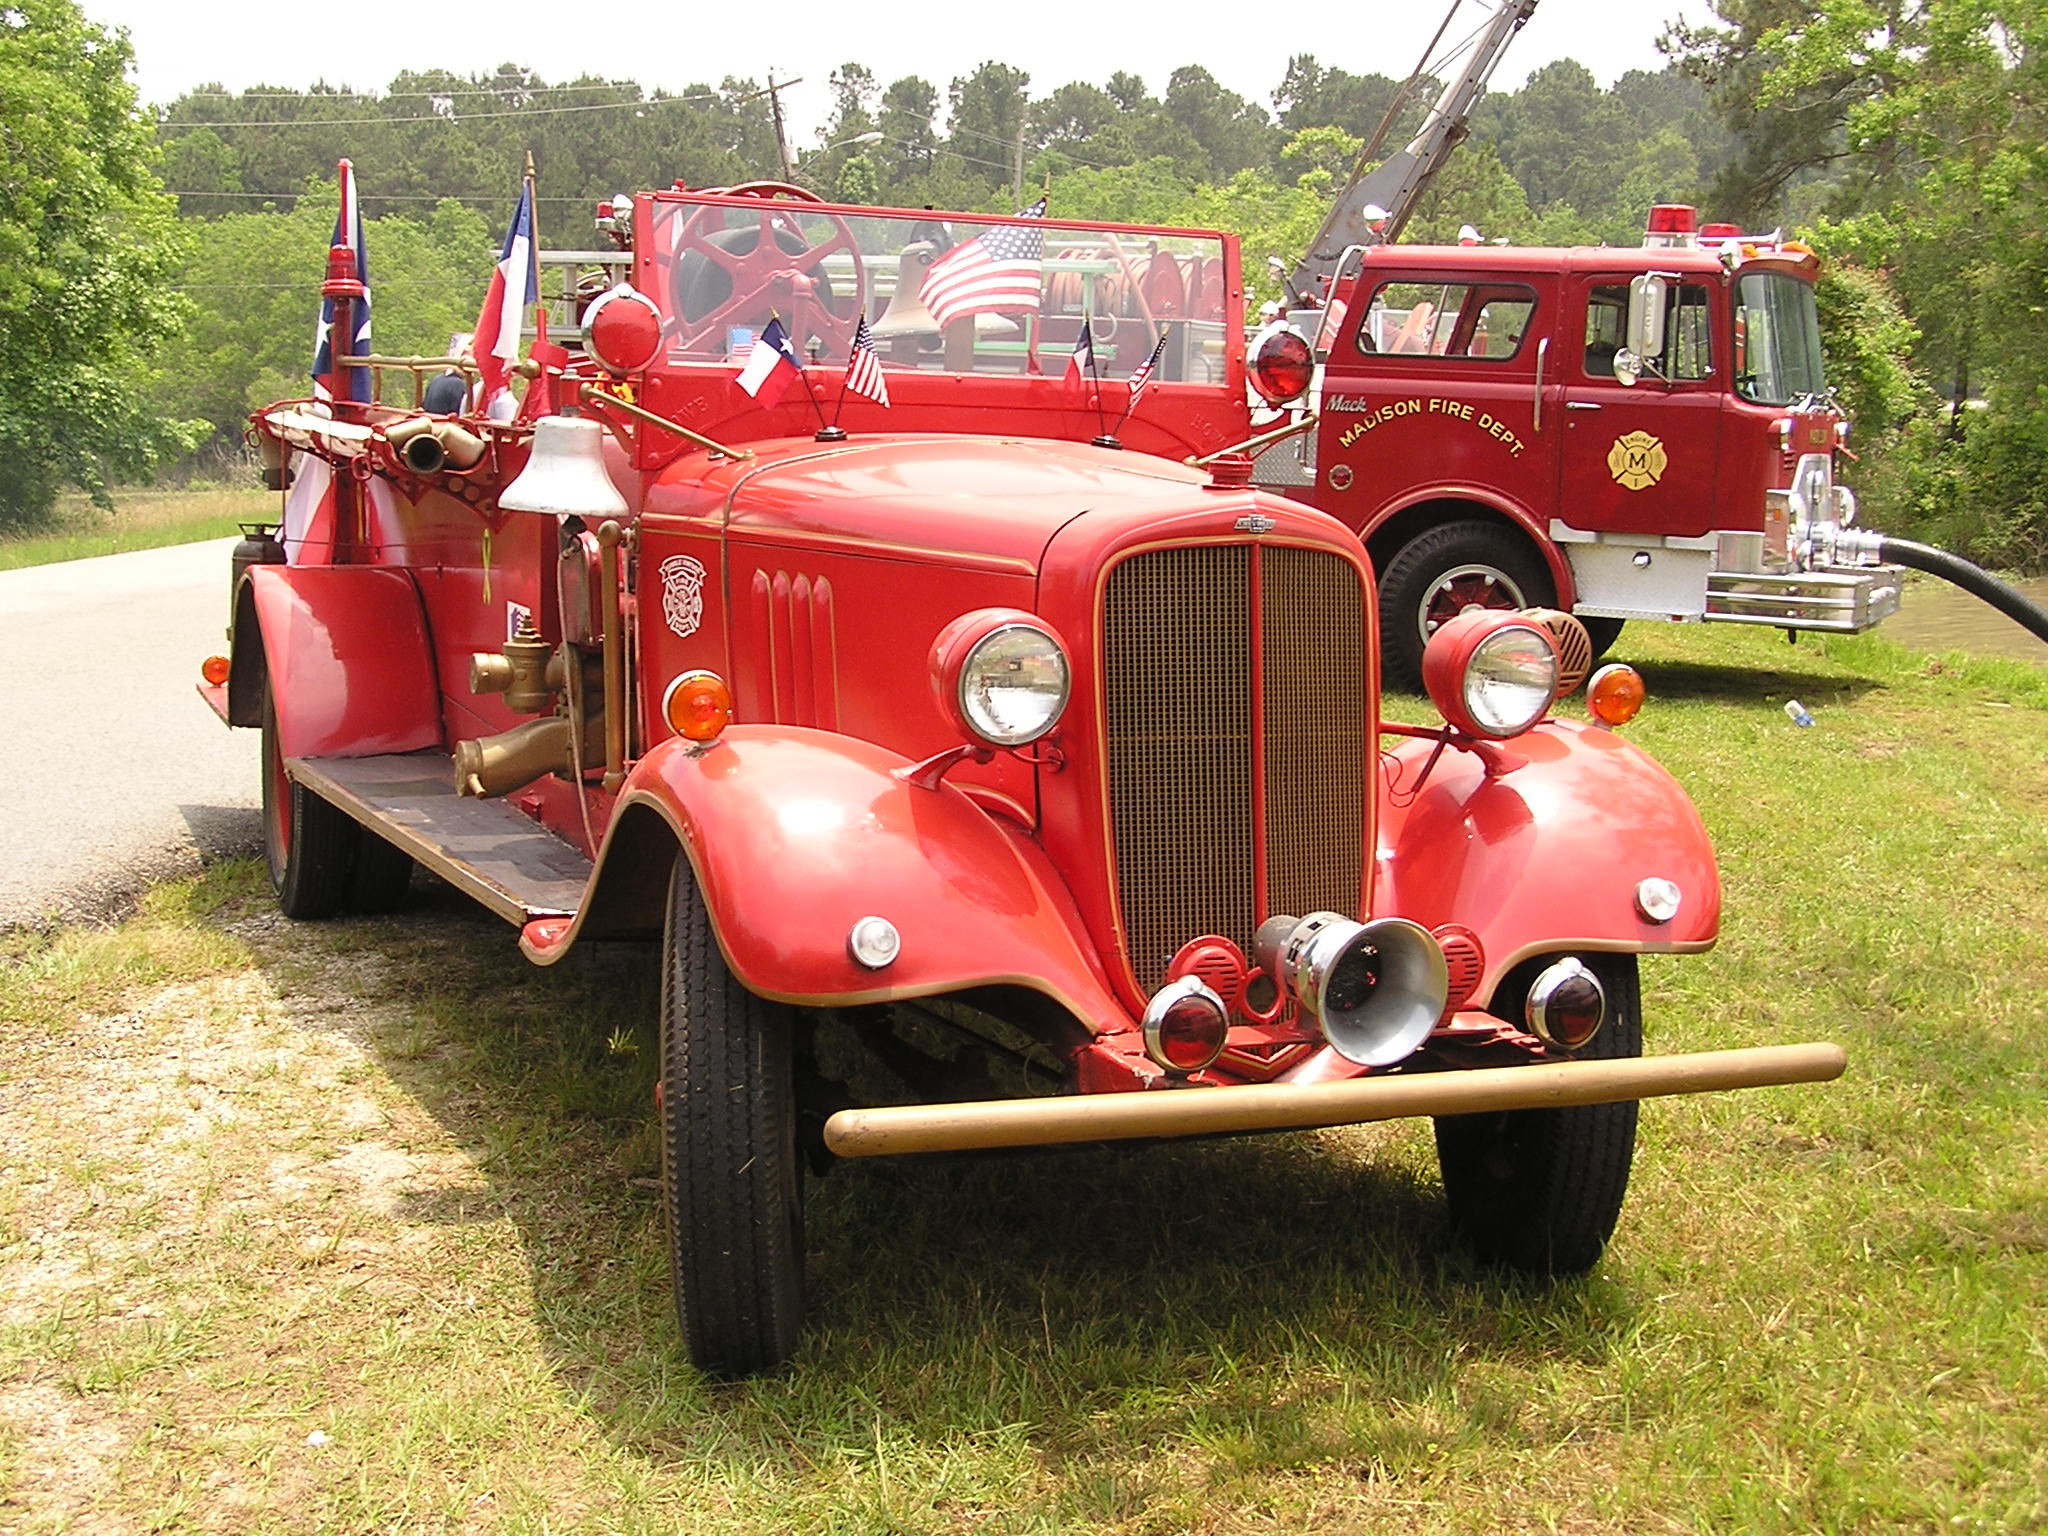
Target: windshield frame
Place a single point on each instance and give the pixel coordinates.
(662, 217)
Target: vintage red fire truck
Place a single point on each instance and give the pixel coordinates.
(1004, 733)
(1627, 433)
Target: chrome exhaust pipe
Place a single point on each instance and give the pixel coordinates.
(1376, 989)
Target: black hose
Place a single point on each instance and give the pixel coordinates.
(1975, 580)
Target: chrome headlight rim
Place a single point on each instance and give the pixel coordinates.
(1455, 664)
(961, 661)
(975, 707)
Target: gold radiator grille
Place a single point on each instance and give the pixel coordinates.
(1314, 647)
(1179, 698)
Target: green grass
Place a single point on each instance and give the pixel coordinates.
(140, 520)
(349, 1227)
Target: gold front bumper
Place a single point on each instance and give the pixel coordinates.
(1285, 1106)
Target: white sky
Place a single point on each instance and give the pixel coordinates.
(180, 44)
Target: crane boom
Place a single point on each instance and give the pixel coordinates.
(1397, 183)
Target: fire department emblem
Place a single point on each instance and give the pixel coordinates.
(682, 594)
(1637, 460)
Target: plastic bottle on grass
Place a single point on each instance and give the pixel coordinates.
(1798, 713)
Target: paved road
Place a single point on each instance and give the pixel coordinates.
(113, 773)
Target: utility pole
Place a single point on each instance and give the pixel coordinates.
(781, 136)
(1018, 188)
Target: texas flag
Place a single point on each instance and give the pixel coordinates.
(514, 285)
(771, 364)
(348, 231)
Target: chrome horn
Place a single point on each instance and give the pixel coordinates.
(1377, 988)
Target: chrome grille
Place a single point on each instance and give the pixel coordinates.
(1178, 692)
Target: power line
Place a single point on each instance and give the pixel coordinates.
(324, 94)
(463, 117)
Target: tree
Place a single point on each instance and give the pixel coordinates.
(253, 280)
(1920, 129)
(87, 240)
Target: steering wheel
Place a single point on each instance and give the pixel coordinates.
(735, 264)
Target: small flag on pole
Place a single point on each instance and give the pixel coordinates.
(771, 366)
(348, 231)
(514, 285)
(1081, 364)
(1000, 268)
(1144, 375)
(863, 368)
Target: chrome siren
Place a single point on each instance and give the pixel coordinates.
(1376, 989)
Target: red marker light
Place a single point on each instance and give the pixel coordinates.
(1283, 367)
(622, 330)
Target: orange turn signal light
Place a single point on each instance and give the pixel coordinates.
(215, 670)
(1614, 694)
(697, 706)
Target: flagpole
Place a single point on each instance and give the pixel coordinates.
(1151, 363)
(1095, 373)
(533, 235)
(839, 409)
(804, 382)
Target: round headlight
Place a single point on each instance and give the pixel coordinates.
(1002, 674)
(1491, 673)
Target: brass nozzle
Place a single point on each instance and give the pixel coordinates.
(529, 672)
(496, 765)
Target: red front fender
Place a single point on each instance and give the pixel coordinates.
(795, 834)
(1547, 857)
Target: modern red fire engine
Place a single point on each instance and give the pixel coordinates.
(1630, 434)
(1001, 733)
(1639, 433)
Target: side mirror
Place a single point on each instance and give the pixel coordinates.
(1645, 334)
(1627, 368)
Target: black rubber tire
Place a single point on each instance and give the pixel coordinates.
(382, 876)
(732, 1181)
(1503, 566)
(1539, 1190)
(1603, 633)
(309, 845)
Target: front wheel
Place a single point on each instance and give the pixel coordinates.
(1539, 1190)
(731, 1181)
(1441, 573)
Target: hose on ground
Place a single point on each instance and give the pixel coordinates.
(1973, 579)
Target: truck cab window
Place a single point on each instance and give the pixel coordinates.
(1688, 331)
(1606, 313)
(1447, 320)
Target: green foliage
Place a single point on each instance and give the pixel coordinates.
(1914, 137)
(254, 280)
(87, 242)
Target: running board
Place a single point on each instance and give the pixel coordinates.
(484, 848)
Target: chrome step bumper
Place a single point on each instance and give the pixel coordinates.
(1843, 599)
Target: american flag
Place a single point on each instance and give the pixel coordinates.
(1000, 268)
(863, 368)
(1145, 371)
(348, 231)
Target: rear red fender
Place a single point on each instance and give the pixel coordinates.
(345, 649)
(1547, 857)
(796, 834)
